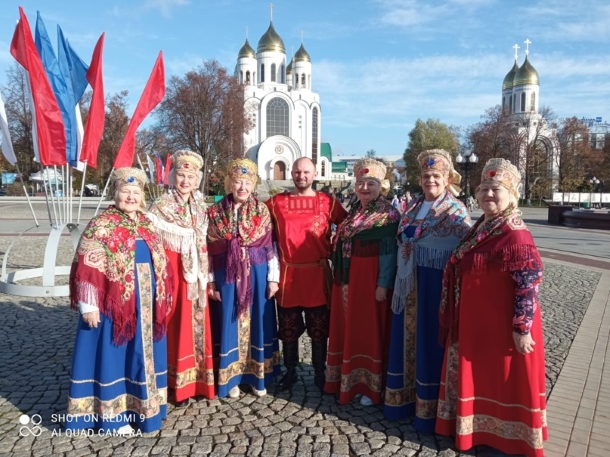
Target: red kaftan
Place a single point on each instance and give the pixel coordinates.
(303, 229)
(189, 340)
(490, 393)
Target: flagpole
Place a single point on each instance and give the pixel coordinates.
(142, 167)
(82, 189)
(27, 196)
(50, 191)
(59, 205)
(104, 192)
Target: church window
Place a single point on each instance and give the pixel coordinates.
(309, 81)
(314, 136)
(262, 72)
(522, 101)
(323, 169)
(510, 104)
(514, 103)
(303, 80)
(277, 117)
(282, 74)
(273, 78)
(241, 77)
(248, 77)
(533, 102)
(296, 83)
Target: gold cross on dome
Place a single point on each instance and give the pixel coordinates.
(527, 46)
(271, 9)
(516, 48)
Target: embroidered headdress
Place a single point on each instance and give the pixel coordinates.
(241, 169)
(371, 169)
(128, 176)
(188, 161)
(440, 160)
(503, 172)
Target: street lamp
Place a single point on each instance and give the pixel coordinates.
(466, 159)
(598, 186)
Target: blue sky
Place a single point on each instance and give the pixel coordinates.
(378, 65)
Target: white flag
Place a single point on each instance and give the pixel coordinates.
(80, 166)
(7, 145)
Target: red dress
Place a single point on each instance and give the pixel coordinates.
(490, 393)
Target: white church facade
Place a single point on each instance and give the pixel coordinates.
(521, 97)
(284, 110)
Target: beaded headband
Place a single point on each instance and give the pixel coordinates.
(243, 168)
(370, 168)
(129, 176)
(188, 161)
(435, 159)
(503, 172)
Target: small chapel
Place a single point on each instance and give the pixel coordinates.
(284, 109)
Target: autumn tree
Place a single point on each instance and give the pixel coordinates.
(431, 134)
(371, 154)
(204, 111)
(574, 154)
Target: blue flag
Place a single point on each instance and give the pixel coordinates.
(60, 87)
(71, 62)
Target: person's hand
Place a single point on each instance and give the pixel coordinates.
(381, 293)
(523, 343)
(213, 294)
(92, 319)
(272, 288)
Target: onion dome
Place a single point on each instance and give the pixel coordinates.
(246, 51)
(271, 41)
(302, 55)
(527, 74)
(510, 77)
(289, 68)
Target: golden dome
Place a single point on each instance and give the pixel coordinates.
(289, 68)
(271, 41)
(246, 51)
(527, 74)
(510, 77)
(302, 55)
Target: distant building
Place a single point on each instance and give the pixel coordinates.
(284, 109)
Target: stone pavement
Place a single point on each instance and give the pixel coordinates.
(36, 338)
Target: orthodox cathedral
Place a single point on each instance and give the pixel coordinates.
(283, 108)
(520, 96)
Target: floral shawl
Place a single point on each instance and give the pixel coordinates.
(183, 226)
(502, 243)
(372, 222)
(103, 271)
(234, 232)
(431, 245)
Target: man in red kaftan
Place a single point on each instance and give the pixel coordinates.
(303, 222)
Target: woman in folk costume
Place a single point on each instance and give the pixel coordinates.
(493, 381)
(246, 275)
(430, 229)
(182, 223)
(364, 264)
(122, 284)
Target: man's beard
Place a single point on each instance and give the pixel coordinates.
(302, 184)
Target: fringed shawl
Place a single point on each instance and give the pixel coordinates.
(234, 234)
(103, 271)
(502, 244)
(435, 238)
(183, 226)
(377, 221)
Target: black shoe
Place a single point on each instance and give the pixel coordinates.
(289, 378)
(318, 361)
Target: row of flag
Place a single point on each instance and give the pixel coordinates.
(158, 173)
(56, 85)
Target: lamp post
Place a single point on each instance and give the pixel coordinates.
(598, 186)
(467, 158)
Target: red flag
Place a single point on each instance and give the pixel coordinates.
(152, 95)
(168, 165)
(51, 133)
(97, 111)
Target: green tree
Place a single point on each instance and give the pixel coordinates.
(371, 154)
(430, 134)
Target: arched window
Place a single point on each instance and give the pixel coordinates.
(522, 101)
(248, 77)
(510, 105)
(241, 77)
(273, 72)
(514, 103)
(323, 168)
(533, 103)
(296, 80)
(314, 135)
(303, 80)
(283, 74)
(277, 117)
(262, 72)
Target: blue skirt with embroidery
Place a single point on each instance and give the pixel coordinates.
(246, 348)
(112, 386)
